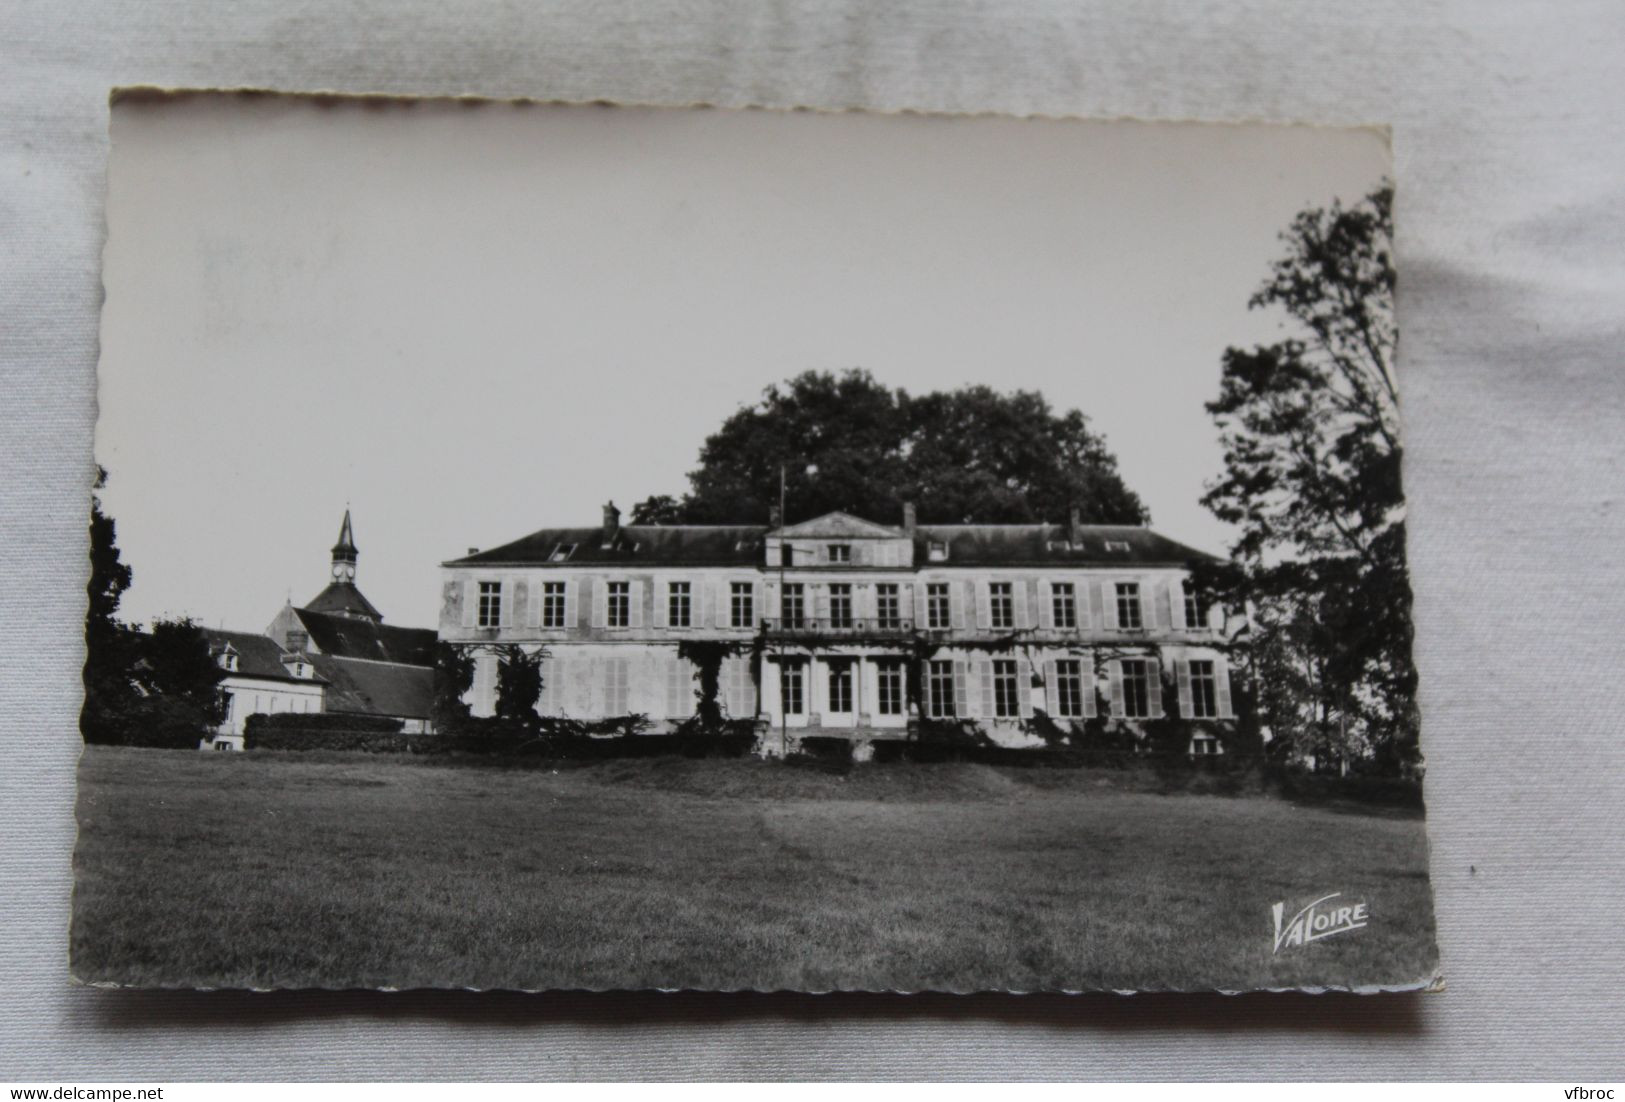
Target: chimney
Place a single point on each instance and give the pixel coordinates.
(775, 519)
(909, 517)
(1076, 533)
(473, 550)
(612, 523)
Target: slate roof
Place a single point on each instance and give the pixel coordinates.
(1040, 544)
(684, 544)
(351, 637)
(344, 598)
(741, 545)
(257, 655)
(376, 688)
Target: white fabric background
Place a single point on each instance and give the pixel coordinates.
(1510, 152)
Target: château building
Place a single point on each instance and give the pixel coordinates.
(862, 629)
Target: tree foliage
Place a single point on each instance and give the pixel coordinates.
(109, 645)
(849, 442)
(1310, 427)
(453, 678)
(157, 688)
(519, 684)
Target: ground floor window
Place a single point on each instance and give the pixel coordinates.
(1137, 675)
(891, 688)
(1204, 690)
(940, 688)
(1069, 688)
(792, 687)
(1004, 689)
(1203, 746)
(840, 687)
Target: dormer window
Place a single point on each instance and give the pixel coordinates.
(1116, 545)
(561, 552)
(228, 660)
(1060, 545)
(937, 551)
(840, 552)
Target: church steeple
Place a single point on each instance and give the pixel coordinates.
(345, 553)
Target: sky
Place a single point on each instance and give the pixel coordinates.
(466, 322)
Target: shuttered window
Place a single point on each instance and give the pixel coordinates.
(490, 610)
(1069, 688)
(552, 604)
(742, 605)
(1128, 606)
(1005, 705)
(679, 604)
(1064, 605)
(938, 609)
(1204, 690)
(940, 689)
(619, 608)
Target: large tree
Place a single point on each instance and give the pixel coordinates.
(849, 442)
(110, 646)
(1310, 427)
(148, 688)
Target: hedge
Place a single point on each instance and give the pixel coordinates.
(320, 721)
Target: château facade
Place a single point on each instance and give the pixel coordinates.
(859, 629)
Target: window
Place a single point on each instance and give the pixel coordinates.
(1204, 690)
(742, 605)
(890, 677)
(1060, 545)
(840, 687)
(840, 606)
(1064, 605)
(1128, 605)
(679, 604)
(228, 660)
(552, 604)
(490, 607)
(618, 605)
(940, 688)
(840, 552)
(1069, 688)
(1116, 545)
(1203, 746)
(1193, 611)
(787, 555)
(792, 682)
(1136, 688)
(561, 551)
(886, 607)
(793, 605)
(937, 609)
(937, 551)
(1001, 605)
(1004, 689)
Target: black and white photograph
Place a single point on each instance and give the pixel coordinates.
(566, 546)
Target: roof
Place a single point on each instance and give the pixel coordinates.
(351, 637)
(742, 545)
(1036, 544)
(346, 536)
(677, 544)
(839, 525)
(257, 655)
(346, 599)
(376, 688)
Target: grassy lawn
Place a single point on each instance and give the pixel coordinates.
(288, 870)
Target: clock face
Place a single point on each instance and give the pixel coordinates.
(344, 572)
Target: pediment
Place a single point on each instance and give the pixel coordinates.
(839, 525)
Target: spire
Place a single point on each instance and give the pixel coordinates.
(344, 552)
